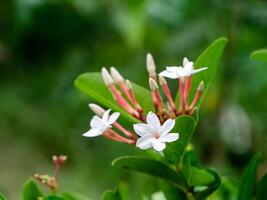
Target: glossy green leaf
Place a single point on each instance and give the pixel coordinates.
(184, 125)
(199, 177)
(54, 197)
(151, 167)
(210, 58)
(260, 55)
(202, 192)
(74, 196)
(31, 191)
(227, 191)
(262, 188)
(93, 85)
(111, 195)
(171, 192)
(248, 179)
(191, 155)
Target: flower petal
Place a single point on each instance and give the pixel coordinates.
(96, 122)
(179, 71)
(152, 120)
(113, 117)
(145, 142)
(174, 69)
(167, 127)
(198, 70)
(189, 66)
(93, 133)
(141, 129)
(158, 145)
(168, 74)
(185, 61)
(171, 137)
(105, 116)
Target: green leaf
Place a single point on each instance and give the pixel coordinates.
(54, 197)
(202, 192)
(92, 84)
(151, 167)
(248, 179)
(123, 191)
(228, 190)
(210, 58)
(261, 188)
(199, 177)
(111, 195)
(31, 191)
(260, 55)
(2, 197)
(191, 155)
(171, 192)
(184, 125)
(73, 196)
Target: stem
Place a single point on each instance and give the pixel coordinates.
(181, 92)
(190, 196)
(186, 91)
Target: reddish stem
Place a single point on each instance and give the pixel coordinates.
(186, 91)
(181, 92)
(123, 130)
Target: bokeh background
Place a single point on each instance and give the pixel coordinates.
(45, 44)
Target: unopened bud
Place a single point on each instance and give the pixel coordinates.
(106, 76)
(96, 109)
(153, 85)
(59, 160)
(201, 86)
(116, 75)
(162, 80)
(129, 85)
(150, 65)
(49, 181)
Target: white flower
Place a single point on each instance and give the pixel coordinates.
(186, 70)
(153, 134)
(100, 125)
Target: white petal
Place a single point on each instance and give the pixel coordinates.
(179, 71)
(175, 69)
(168, 74)
(145, 142)
(167, 127)
(198, 70)
(185, 61)
(189, 66)
(113, 117)
(152, 120)
(93, 133)
(171, 137)
(141, 129)
(105, 116)
(158, 145)
(96, 122)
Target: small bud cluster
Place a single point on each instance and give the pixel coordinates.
(51, 181)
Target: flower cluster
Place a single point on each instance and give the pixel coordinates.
(154, 128)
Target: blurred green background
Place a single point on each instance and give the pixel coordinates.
(45, 44)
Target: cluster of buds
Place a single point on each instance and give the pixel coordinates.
(164, 112)
(51, 181)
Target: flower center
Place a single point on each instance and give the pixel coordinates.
(157, 135)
